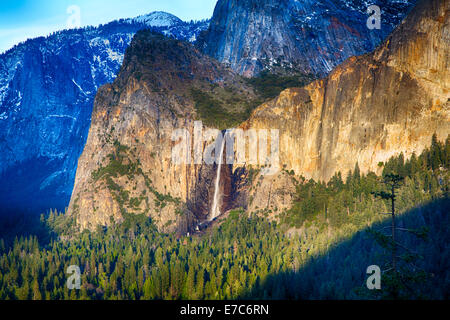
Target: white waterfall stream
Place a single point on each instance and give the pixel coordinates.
(215, 210)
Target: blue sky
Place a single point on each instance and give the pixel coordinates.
(23, 19)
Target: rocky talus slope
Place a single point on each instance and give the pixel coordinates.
(369, 108)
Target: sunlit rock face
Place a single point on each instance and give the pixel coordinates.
(371, 107)
(127, 165)
(311, 36)
(47, 89)
(366, 110)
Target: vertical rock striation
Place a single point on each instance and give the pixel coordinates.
(310, 36)
(371, 107)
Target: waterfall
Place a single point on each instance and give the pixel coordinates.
(215, 210)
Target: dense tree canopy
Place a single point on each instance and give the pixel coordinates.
(319, 249)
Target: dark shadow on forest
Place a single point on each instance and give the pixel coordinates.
(342, 269)
(24, 225)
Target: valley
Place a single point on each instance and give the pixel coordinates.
(243, 157)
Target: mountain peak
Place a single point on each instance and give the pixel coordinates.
(371, 107)
(90, 58)
(157, 19)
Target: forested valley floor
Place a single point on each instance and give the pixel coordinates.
(319, 249)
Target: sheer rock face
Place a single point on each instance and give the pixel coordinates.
(371, 107)
(311, 36)
(47, 90)
(368, 109)
(128, 154)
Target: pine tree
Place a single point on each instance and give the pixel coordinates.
(435, 153)
(36, 291)
(397, 276)
(357, 173)
(190, 284)
(200, 284)
(23, 293)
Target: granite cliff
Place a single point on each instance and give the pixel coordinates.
(127, 165)
(47, 89)
(308, 36)
(369, 108)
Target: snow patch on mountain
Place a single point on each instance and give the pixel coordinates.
(157, 19)
(47, 89)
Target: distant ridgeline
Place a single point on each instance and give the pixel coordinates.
(324, 257)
